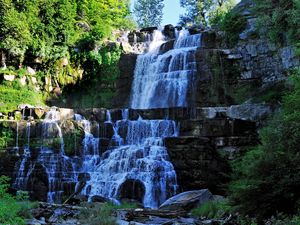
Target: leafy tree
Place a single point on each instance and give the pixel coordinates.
(204, 11)
(279, 19)
(268, 176)
(9, 209)
(148, 12)
(197, 11)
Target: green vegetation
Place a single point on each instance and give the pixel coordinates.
(148, 12)
(207, 12)
(6, 136)
(268, 175)
(233, 24)
(212, 209)
(13, 210)
(12, 96)
(279, 20)
(68, 42)
(94, 213)
(96, 88)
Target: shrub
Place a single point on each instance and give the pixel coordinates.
(268, 176)
(233, 24)
(97, 213)
(6, 136)
(9, 209)
(212, 209)
(10, 98)
(279, 20)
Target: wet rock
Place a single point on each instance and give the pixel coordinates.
(66, 114)
(148, 29)
(77, 199)
(187, 200)
(196, 29)
(169, 31)
(100, 199)
(254, 112)
(35, 222)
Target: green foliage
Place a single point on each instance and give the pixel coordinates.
(268, 175)
(97, 213)
(218, 13)
(233, 24)
(148, 12)
(279, 19)
(6, 135)
(11, 210)
(207, 12)
(212, 209)
(272, 94)
(72, 141)
(100, 73)
(10, 98)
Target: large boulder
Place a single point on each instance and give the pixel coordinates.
(187, 200)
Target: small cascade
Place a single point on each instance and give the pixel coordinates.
(50, 128)
(46, 162)
(141, 159)
(17, 137)
(22, 172)
(164, 80)
(90, 154)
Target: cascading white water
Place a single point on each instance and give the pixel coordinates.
(141, 157)
(58, 167)
(90, 154)
(17, 137)
(163, 80)
(51, 128)
(23, 174)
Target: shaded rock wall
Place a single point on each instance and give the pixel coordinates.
(208, 138)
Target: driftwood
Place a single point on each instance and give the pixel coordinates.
(78, 190)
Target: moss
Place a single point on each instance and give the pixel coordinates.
(6, 135)
(95, 213)
(10, 98)
(72, 141)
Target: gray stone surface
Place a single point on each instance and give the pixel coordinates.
(187, 200)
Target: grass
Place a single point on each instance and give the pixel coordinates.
(11, 97)
(101, 214)
(212, 209)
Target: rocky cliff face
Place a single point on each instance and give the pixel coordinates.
(225, 76)
(209, 137)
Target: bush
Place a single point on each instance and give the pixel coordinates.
(279, 20)
(212, 209)
(11, 211)
(233, 24)
(101, 214)
(268, 176)
(10, 98)
(6, 136)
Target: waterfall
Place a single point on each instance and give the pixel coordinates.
(51, 128)
(164, 80)
(91, 154)
(17, 137)
(141, 157)
(22, 177)
(53, 164)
